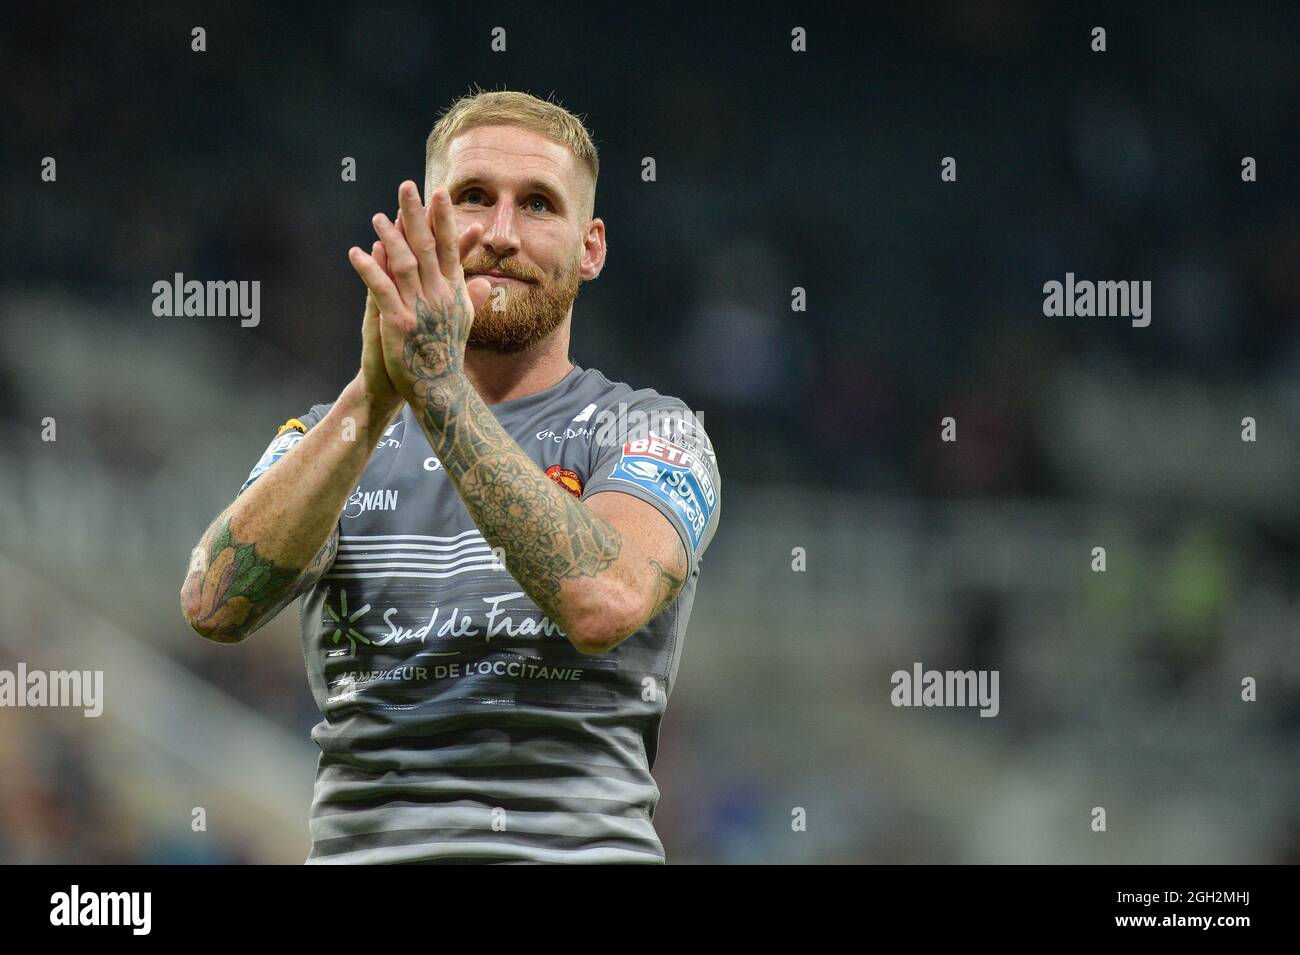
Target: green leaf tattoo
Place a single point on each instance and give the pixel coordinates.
(233, 589)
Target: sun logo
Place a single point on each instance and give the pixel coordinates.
(345, 621)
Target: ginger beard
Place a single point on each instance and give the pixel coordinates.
(516, 317)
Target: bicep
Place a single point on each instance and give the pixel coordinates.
(655, 553)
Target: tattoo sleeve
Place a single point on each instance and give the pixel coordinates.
(547, 535)
(236, 590)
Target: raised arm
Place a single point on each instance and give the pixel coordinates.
(281, 533)
(599, 570)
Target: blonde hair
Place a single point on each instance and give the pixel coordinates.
(509, 108)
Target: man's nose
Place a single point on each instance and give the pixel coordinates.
(501, 238)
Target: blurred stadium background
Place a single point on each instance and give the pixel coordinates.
(775, 170)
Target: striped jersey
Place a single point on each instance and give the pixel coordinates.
(458, 723)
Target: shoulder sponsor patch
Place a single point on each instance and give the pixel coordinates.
(675, 475)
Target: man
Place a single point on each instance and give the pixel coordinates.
(497, 550)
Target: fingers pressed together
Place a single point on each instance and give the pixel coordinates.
(417, 253)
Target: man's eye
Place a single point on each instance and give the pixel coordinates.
(470, 196)
(539, 200)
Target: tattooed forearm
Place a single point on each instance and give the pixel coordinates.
(230, 590)
(547, 535)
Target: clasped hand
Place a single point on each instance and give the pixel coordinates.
(419, 309)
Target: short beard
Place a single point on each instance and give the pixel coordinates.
(522, 317)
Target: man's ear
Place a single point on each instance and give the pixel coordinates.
(594, 249)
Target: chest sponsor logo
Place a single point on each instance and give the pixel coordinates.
(384, 499)
(344, 624)
(560, 436)
(572, 430)
(349, 684)
(487, 617)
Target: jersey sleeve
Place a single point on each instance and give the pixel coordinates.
(288, 434)
(661, 454)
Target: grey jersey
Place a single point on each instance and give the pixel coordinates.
(459, 723)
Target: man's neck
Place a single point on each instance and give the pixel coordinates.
(501, 377)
